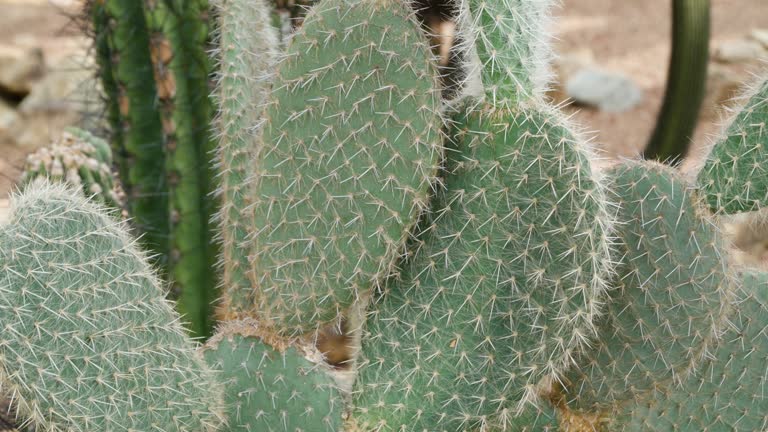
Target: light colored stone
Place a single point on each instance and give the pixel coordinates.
(70, 85)
(8, 117)
(761, 36)
(20, 68)
(607, 91)
(739, 50)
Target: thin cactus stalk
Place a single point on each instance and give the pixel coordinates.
(179, 33)
(686, 82)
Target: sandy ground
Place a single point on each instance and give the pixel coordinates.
(631, 37)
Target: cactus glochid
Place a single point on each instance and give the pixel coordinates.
(487, 273)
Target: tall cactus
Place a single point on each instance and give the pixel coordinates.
(155, 53)
(137, 140)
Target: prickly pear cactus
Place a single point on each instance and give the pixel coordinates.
(272, 385)
(79, 159)
(727, 390)
(89, 341)
(734, 176)
(247, 55)
(670, 294)
(351, 142)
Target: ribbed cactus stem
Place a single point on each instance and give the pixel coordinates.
(138, 142)
(511, 41)
(273, 384)
(179, 34)
(246, 55)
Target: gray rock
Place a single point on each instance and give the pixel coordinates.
(739, 50)
(607, 91)
(20, 68)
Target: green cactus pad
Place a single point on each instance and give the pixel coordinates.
(79, 159)
(670, 290)
(350, 148)
(728, 392)
(272, 389)
(504, 288)
(735, 176)
(511, 42)
(89, 341)
(247, 54)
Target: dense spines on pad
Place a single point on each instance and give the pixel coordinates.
(350, 148)
(728, 391)
(89, 341)
(79, 159)
(735, 175)
(246, 55)
(510, 38)
(504, 288)
(272, 389)
(670, 293)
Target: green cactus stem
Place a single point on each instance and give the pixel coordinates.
(686, 82)
(138, 141)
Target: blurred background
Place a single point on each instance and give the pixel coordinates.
(47, 72)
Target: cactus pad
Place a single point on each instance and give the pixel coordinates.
(247, 54)
(503, 290)
(89, 341)
(351, 143)
(670, 294)
(735, 176)
(272, 389)
(728, 392)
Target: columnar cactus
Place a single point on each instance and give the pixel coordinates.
(515, 286)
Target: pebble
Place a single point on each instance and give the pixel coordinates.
(607, 91)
